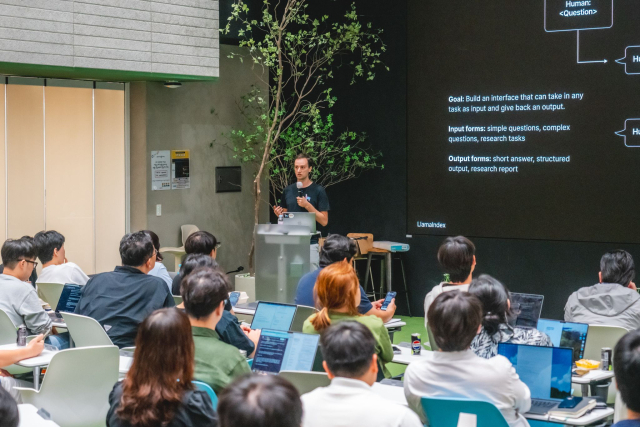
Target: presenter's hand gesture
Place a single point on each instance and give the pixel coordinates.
(303, 202)
(278, 210)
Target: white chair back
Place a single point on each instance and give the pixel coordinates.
(8, 330)
(50, 293)
(306, 382)
(598, 337)
(188, 230)
(75, 390)
(85, 331)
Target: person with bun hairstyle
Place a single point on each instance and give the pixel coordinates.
(338, 295)
(497, 319)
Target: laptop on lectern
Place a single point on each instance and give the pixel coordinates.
(307, 219)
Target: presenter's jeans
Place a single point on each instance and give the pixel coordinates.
(314, 257)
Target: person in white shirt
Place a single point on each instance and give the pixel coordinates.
(457, 258)
(350, 359)
(159, 270)
(455, 371)
(55, 268)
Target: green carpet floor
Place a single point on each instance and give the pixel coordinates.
(414, 325)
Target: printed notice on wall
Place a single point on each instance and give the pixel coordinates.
(180, 169)
(160, 169)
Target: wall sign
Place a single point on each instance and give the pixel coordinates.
(180, 169)
(160, 170)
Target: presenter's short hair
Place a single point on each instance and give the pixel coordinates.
(260, 401)
(348, 348)
(305, 156)
(336, 248)
(454, 318)
(617, 267)
(455, 256)
(200, 242)
(626, 366)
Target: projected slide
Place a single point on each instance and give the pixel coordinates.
(524, 119)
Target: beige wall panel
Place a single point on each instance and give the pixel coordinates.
(69, 171)
(3, 210)
(25, 160)
(110, 176)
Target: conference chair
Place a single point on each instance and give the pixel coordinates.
(306, 382)
(50, 293)
(178, 253)
(432, 340)
(177, 299)
(187, 230)
(207, 388)
(446, 412)
(302, 313)
(8, 331)
(85, 331)
(75, 390)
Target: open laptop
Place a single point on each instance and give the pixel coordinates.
(528, 308)
(67, 303)
(284, 351)
(307, 219)
(566, 334)
(273, 315)
(545, 370)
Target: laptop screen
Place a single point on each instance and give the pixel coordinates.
(285, 351)
(545, 370)
(566, 334)
(271, 315)
(528, 308)
(69, 298)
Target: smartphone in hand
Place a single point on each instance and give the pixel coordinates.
(387, 300)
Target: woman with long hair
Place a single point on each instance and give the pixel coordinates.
(338, 296)
(498, 319)
(158, 390)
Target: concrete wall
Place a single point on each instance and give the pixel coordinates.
(150, 36)
(165, 119)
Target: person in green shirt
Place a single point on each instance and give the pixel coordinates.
(338, 293)
(204, 292)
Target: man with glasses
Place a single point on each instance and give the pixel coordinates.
(18, 298)
(121, 299)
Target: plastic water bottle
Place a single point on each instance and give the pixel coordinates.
(280, 219)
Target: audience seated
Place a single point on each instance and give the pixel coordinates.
(228, 328)
(55, 267)
(350, 359)
(120, 300)
(9, 415)
(260, 401)
(457, 258)
(158, 389)
(497, 318)
(614, 301)
(626, 365)
(216, 363)
(337, 248)
(338, 293)
(9, 357)
(200, 242)
(455, 371)
(18, 298)
(159, 270)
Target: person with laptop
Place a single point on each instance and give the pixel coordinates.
(314, 199)
(457, 258)
(455, 371)
(497, 319)
(338, 293)
(200, 242)
(55, 267)
(626, 366)
(159, 270)
(614, 301)
(350, 359)
(337, 248)
(229, 327)
(18, 298)
(204, 292)
(121, 299)
(260, 401)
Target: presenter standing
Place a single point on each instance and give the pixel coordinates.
(314, 199)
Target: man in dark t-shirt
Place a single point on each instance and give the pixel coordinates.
(314, 200)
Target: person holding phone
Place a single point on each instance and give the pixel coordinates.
(9, 357)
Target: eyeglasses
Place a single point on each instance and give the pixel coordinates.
(35, 264)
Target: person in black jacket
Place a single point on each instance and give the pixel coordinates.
(158, 389)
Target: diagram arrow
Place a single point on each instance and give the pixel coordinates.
(602, 61)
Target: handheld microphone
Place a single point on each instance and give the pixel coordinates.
(299, 185)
